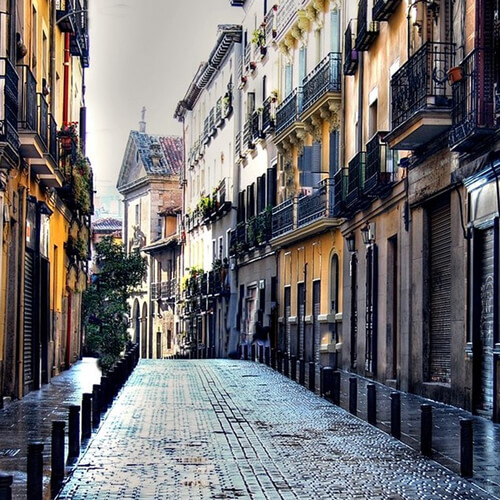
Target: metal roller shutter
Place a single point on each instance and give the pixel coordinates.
(28, 323)
(440, 293)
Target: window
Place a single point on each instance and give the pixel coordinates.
(302, 64)
(288, 79)
(334, 284)
(335, 31)
(334, 153)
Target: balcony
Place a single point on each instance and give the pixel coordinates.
(268, 115)
(79, 39)
(378, 177)
(64, 19)
(351, 54)
(238, 241)
(206, 130)
(383, 9)
(323, 82)
(320, 206)
(237, 147)
(155, 291)
(9, 138)
(473, 112)
(367, 32)
(289, 110)
(283, 218)
(259, 229)
(340, 186)
(355, 198)
(256, 123)
(421, 97)
(248, 141)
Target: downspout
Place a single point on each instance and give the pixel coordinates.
(67, 359)
(52, 59)
(66, 80)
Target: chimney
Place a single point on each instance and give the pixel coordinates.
(142, 123)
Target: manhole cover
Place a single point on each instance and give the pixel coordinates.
(9, 452)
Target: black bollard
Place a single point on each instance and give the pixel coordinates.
(57, 456)
(293, 367)
(466, 447)
(371, 411)
(285, 364)
(279, 361)
(96, 406)
(326, 379)
(261, 354)
(104, 393)
(302, 371)
(273, 359)
(312, 376)
(245, 352)
(253, 352)
(353, 395)
(5, 487)
(267, 355)
(86, 416)
(396, 415)
(336, 388)
(426, 429)
(73, 432)
(35, 471)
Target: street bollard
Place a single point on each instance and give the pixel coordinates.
(426, 429)
(73, 432)
(57, 456)
(273, 358)
(285, 364)
(6, 487)
(371, 411)
(261, 354)
(396, 415)
(466, 447)
(353, 395)
(35, 471)
(312, 376)
(245, 352)
(104, 393)
(302, 371)
(326, 379)
(86, 416)
(252, 355)
(267, 355)
(293, 367)
(336, 388)
(96, 406)
(279, 361)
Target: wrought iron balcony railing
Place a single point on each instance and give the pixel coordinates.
(238, 239)
(206, 130)
(356, 179)
(64, 21)
(53, 144)
(383, 9)
(9, 107)
(248, 142)
(324, 78)
(155, 291)
(79, 39)
(289, 110)
(283, 218)
(43, 120)
(256, 126)
(422, 83)
(27, 117)
(473, 112)
(318, 205)
(378, 177)
(367, 32)
(340, 186)
(351, 54)
(237, 146)
(259, 229)
(268, 115)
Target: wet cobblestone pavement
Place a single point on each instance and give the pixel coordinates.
(30, 419)
(234, 429)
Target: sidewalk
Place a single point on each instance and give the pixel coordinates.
(446, 430)
(30, 419)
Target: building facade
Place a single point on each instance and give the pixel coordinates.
(46, 198)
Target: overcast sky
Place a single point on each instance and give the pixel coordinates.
(143, 53)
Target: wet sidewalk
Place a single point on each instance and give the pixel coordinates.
(446, 430)
(30, 419)
(226, 429)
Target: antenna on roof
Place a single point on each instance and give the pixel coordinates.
(142, 123)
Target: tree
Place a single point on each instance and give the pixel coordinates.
(105, 300)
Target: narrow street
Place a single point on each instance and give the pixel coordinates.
(235, 429)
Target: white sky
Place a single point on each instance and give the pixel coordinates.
(143, 53)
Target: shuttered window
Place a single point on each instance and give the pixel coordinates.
(440, 293)
(28, 321)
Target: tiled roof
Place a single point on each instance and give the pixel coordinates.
(159, 154)
(107, 224)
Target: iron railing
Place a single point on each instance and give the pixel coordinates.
(27, 112)
(366, 32)
(206, 130)
(283, 218)
(324, 78)
(318, 205)
(356, 179)
(237, 146)
(155, 291)
(340, 186)
(473, 111)
(79, 39)
(63, 20)
(248, 134)
(422, 82)
(378, 178)
(351, 54)
(383, 9)
(268, 115)
(43, 120)
(289, 110)
(9, 109)
(53, 144)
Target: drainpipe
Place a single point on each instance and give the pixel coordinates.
(66, 79)
(52, 59)
(67, 359)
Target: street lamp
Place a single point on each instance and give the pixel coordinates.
(368, 233)
(351, 242)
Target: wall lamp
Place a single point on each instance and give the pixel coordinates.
(351, 242)
(368, 233)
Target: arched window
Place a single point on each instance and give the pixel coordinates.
(334, 284)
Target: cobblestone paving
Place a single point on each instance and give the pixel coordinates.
(224, 429)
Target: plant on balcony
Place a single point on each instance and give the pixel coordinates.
(263, 225)
(82, 184)
(68, 136)
(77, 247)
(259, 37)
(206, 206)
